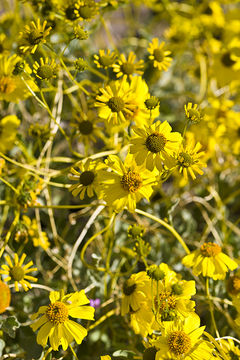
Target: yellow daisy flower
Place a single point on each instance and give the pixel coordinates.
(127, 66)
(88, 178)
(210, 261)
(17, 272)
(136, 290)
(155, 145)
(38, 238)
(116, 102)
(126, 184)
(2, 164)
(173, 300)
(230, 349)
(86, 9)
(105, 357)
(12, 86)
(182, 340)
(54, 322)
(8, 132)
(236, 304)
(142, 319)
(46, 69)
(33, 35)
(85, 127)
(158, 55)
(105, 59)
(233, 284)
(5, 297)
(193, 113)
(188, 160)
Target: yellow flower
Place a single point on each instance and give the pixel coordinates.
(142, 319)
(86, 9)
(173, 300)
(127, 66)
(33, 35)
(193, 113)
(233, 284)
(126, 184)
(46, 69)
(8, 131)
(182, 340)
(158, 55)
(54, 322)
(12, 86)
(155, 145)
(230, 349)
(5, 296)
(210, 261)
(104, 59)
(136, 290)
(85, 127)
(88, 178)
(2, 164)
(38, 238)
(116, 102)
(105, 357)
(188, 160)
(17, 272)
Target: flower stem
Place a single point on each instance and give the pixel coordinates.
(211, 308)
(74, 354)
(14, 223)
(9, 185)
(167, 226)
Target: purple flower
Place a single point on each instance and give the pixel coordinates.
(95, 303)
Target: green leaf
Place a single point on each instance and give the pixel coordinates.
(10, 325)
(2, 346)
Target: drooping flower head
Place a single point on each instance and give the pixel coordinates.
(135, 291)
(17, 272)
(54, 321)
(210, 261)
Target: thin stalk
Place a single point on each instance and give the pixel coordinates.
(167, 226)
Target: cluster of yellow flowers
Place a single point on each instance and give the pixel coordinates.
(119, 115)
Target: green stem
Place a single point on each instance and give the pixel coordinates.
(211, 308)
(46, 354)
(14, 223)
(73, 80)
(167, 226)
(9, 185)
(74, 354)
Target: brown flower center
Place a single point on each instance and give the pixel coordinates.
(57, 313)
(179, 342)
(86, 178)
(116, 104)
(85, 127)
(158, 55)
(17, 273)
(184, 159)
(7, 85)
(128, 288)
(131, 181)
(156, 142)
(210, 249)
(127, 68)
